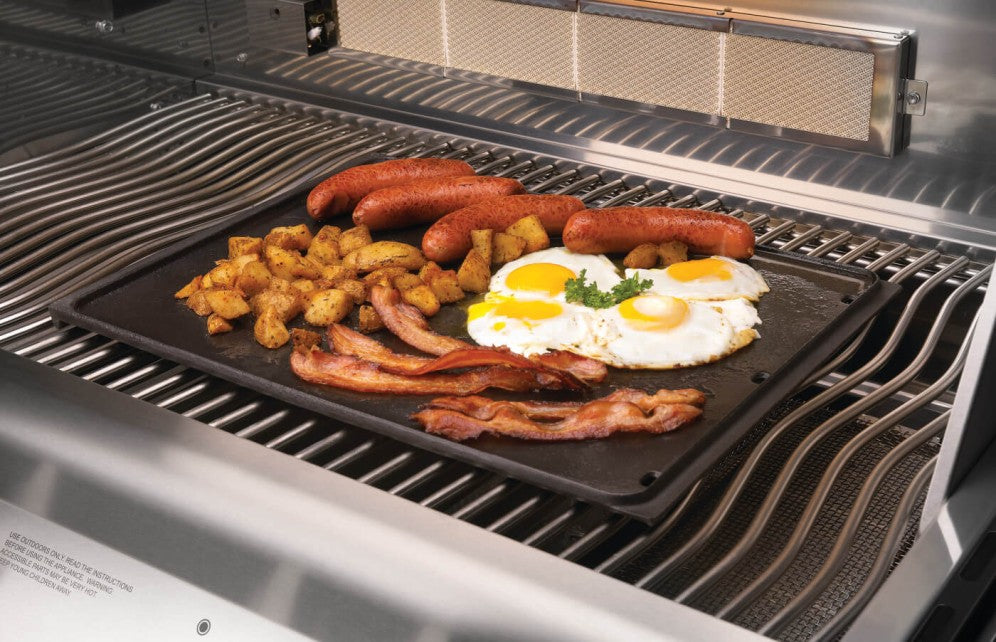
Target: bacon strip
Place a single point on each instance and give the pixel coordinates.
(592, 420)
(350, 373)
(484, 408)
(408, 324)
(349, 342)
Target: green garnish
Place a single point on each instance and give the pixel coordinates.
(578, 291)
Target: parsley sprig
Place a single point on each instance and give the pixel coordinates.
(577, 290)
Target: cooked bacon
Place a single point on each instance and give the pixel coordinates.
(351, 373)
(349, 342)
(408, 324)
(623, 411)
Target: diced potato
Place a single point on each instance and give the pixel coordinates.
(280, 285)
(353, 239)
(243, 260)
(224, 274)
(226, 303)
(305, 287)
(304, 339)
(531, 229)
(192, 286)
(242, 245)
(482, 241)
(430, 269)
(370, 321)
(407, 281)
(474, 273)
(384, 254)
(281, 262)
(206, 281)
(198, 303)
(217, 324)
(254, 278)
(269, 330)
(355, 289)
(324, 246)
(446, 286)
(327, 233)
(383, 276)
(672, 252)
(643, 256)
(334, 274)
(328, 306)
(295, 237)
(307, 268)
(286, 305)
(506, 247)
(422, 298)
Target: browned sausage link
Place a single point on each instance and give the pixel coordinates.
(449, 238)
(426, 200)
(341, 192)
(620, 229)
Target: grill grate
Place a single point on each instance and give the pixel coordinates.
(114, 221)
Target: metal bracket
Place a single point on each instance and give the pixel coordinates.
(913, 97)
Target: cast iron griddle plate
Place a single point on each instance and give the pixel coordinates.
(805, 320)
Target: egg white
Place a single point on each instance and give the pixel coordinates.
(598, 269)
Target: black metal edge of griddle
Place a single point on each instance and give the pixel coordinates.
(648, 505)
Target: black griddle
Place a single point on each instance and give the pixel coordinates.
(813, 308)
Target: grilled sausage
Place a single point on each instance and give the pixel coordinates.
(449, 238)
(426, 200)
(620, 229)
(341, 192)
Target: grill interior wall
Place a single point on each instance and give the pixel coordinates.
(247, 149)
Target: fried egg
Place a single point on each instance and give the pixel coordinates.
(711, 279)
(662, 332)
(542, 275)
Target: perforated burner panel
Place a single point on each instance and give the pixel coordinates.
(521, 42)
(412, 29)
(789, 84)
(648, 62)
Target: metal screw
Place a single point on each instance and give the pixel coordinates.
(104, 26)
(242, 57)
(913, 98)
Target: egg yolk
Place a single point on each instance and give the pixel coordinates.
(548, 278)
(653, 312)
(711, 269)
(515, 309)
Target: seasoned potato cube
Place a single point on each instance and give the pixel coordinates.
(286, 305)
(337, 273)
(429, 270)
(305, 287)
(353, 239)
(643, 256)
(307, 268)
(407, 281)
(242, 245)
(206, 281)
(506, 247)
(242, 261)
(384, 254)
(422, 298)
(192, 286)
(226, 303)
(446, 286)
(383, 276)
(281, 262)
(217, 324)
(531, 229)
(304, 339)
(280, 285)
(474, 273)
(370, 321)
(296, 237)
(254, 278)
(672, 252)
(223, 274)
(355, 289)
(269, 330)
(328, 306)
(198, 303)
(324, 247)
(483, 241)
(328, 233)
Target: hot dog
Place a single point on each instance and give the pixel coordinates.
(426, 200)
(449, 238)
(341, 192)
(620, 229)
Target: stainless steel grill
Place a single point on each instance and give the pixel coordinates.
(765, 540)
